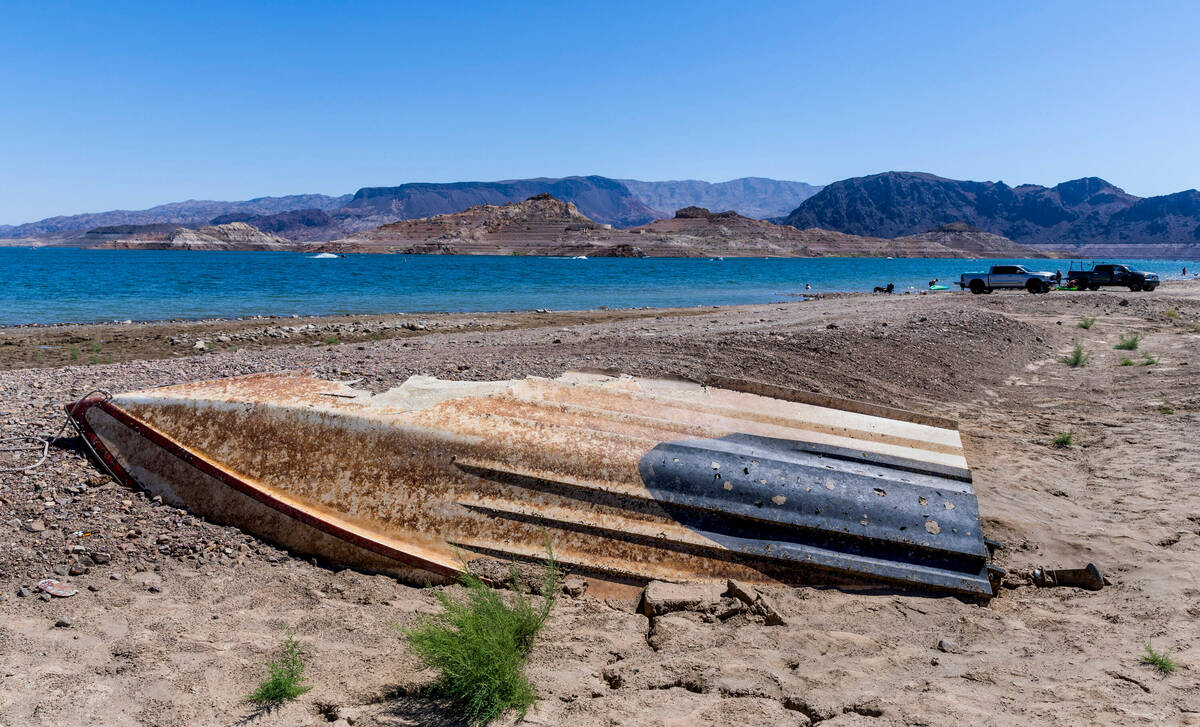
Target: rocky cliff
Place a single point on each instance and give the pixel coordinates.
(1080, 214)
(298, 225)
(231, 236)
(756, 197)
(543, 225)
(534, 226)
(602, 199)
(974, 242)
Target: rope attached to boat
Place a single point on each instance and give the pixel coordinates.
(33, 443)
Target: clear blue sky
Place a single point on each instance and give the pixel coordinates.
(126, 105)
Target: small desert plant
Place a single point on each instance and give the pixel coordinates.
(479, 646)
(1062, 440)
(74, 353)
(1076, 358)
(332, 341)
(1086, 323)
(1128, 343)
(95, 347)
(283, 682)
(1161, 661)
(95, 359)
(1166, 408)
(1149, 359)
(1171, 313)
(376, 336)
(1127, 361)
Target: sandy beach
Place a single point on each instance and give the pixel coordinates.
(174, 626)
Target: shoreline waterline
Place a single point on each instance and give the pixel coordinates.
(68, 285)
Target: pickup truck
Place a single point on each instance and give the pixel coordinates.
(1006, 276)
(1106, 274)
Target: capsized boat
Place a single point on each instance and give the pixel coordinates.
(629, 479)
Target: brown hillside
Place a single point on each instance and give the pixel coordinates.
(544, 225)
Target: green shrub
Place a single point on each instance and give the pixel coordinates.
(1076, 358)
(1166, 408)
(95, 359)
(74, 353)
(95, 347)
(1149, 360)
(1127, 361)
(1128, 343)
(332, 341)
(283, 682)
(1086, 323)
(1160, 661)
(1062, 440)
(479, 647)
(1172, 314)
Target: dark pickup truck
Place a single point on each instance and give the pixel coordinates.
(1098, 275)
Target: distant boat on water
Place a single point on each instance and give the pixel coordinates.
(580, 257)
(323, 256)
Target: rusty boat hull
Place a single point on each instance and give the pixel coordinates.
(628, 479)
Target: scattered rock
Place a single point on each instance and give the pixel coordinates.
(742, 591)
(35, 526)
(55, 588)
(660, 597)
(949, 647)
(23, 592)
(574, 586)
(767, 610)
(63, 623)
(757, 602)
(728, 608)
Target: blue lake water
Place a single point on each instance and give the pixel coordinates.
(55, 285)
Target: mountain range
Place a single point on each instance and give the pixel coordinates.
(1087, 216)
(189, 213)
(315, 217)
(545, 225)
(749, 196)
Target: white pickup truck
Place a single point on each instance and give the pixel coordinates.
(1007, 277)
